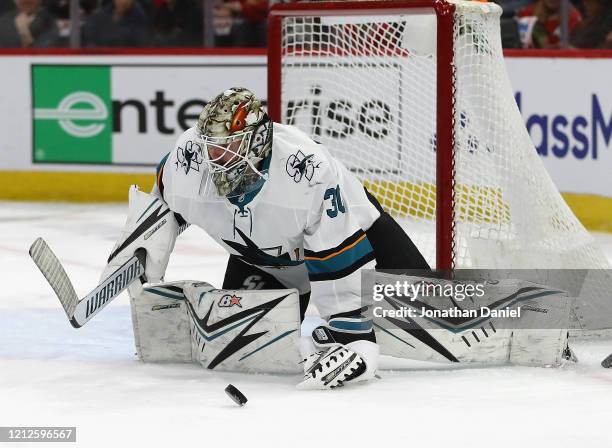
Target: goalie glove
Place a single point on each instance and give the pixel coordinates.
(333, 364)
(150, 225)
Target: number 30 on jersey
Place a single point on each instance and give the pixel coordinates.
(336, 201)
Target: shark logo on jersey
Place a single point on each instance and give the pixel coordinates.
(189, 157)
(253, 254)
(300, 165)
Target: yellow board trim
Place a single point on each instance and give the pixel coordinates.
(595, 212)
(70, 186)
(419, 200)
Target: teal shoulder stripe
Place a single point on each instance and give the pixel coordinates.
(161, 163)
(158, 178)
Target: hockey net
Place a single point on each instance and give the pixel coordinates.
(414, 98)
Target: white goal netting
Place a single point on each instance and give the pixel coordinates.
(365, 86)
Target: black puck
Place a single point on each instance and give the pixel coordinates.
(236, 395)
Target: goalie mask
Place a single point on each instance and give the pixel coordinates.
(237, 135)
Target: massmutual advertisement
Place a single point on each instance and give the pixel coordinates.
(566, 105)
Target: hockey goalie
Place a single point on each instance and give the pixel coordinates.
(298, 227)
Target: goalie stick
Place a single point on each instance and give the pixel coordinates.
(80, 311)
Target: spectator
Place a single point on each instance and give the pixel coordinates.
(147, 5)
(596, 26)
(248, 22)
(122, 23)
(512, 7)
(28, 25)
(222, 24)
(547, 30)
(178, 23)
(61, 8)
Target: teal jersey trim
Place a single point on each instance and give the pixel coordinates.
(158, 174)
(161, 164)
(341, 261)
(351, 325)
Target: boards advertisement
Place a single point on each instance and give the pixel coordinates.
(123, 113)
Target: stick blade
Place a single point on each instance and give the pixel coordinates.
(607, 363)
(52, 269)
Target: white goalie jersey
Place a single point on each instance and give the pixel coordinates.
(310, 215)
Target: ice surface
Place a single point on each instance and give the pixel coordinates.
(52, 374)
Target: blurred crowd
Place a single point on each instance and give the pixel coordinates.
(134, 23)
(242, 23)
(537, 24)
